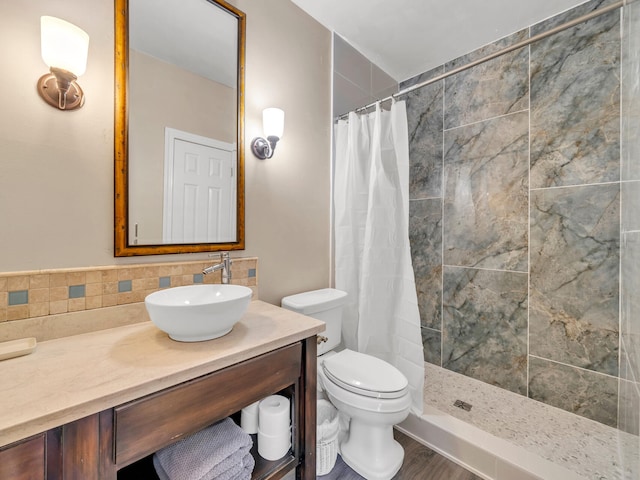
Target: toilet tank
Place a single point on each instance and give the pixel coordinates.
(326, 305)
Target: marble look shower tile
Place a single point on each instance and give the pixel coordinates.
(423, 77)
(585, 393)
(575, 101)
(629, 407)
(630, 92)
(574, 276)
(425, 231)
(630, 204)
(347, 96)
(429, 292)
(432, 345)
(486, 194)
(424, 119)
(382, 85)
(630, 300)
(629, 398)
(351, 64)
(491, 89)
(425, 236)
(485, 326)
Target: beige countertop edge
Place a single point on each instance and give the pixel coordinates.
(72, 377)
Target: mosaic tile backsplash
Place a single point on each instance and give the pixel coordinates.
(48, 292)
(515, 211)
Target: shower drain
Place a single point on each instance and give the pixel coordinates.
(463, 405)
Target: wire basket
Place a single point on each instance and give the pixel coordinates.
(327, 434)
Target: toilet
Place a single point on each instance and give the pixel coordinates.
(371, 392)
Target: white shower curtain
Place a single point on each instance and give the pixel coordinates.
(372, 254)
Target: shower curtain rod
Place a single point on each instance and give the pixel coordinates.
(511, 48)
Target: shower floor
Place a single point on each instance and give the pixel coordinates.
(562, 440)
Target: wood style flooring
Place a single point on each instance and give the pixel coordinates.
(420, 463)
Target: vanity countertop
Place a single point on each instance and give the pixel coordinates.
(72, 377)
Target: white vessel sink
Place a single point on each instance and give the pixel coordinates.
(198, 312)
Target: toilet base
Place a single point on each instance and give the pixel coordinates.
(371, 451)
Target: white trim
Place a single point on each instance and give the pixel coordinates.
(486, 455)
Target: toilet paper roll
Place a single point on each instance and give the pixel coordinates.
(274, 418)
(249, 418)
(273, 447)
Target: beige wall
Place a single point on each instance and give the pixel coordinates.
(56, 168)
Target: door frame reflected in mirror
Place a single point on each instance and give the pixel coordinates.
(122, 245)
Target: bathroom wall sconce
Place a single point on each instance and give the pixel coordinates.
(64, 49)
(273, 126)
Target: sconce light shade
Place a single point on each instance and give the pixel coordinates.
(64, 49)
(273, 122)
(64, 45)
(273, 127)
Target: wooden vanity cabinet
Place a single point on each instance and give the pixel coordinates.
(24, 460)
(98, 446)
(69, 452)
(133, 431)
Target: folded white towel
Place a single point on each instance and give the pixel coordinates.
(219, 452)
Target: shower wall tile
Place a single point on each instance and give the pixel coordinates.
(630, 301)
(575, 101)
(493, 175)
(630, 205)
(628, 403)
(425, 236)
(423, 77)
(493, 88)
(486, 194)
(356, 80)
(382, 85)
(574, 276)
(485, 326)
(630, 92)
(347, 96)
(351, 64)
(432, 345)
(424, 119)
(629, 397)
(585, 393)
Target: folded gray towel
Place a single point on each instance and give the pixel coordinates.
(246, 472)
(241, 471)
(218, 452)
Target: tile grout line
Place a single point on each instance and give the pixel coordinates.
(442, 223)
(529, 232)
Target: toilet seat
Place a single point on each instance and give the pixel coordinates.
(365, 375)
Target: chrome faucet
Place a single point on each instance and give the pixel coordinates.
(224, 265)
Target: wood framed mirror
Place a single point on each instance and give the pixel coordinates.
(179, 127)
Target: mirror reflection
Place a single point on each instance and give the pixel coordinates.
(183, 175)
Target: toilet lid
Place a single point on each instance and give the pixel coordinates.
(365, 375)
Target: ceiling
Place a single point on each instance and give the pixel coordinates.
(407, 37)
(193, 35)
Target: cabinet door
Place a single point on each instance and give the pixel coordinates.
(23, 460)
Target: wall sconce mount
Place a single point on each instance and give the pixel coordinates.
(273, 126)
(59, 89)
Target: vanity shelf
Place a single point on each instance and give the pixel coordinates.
(264, 469)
